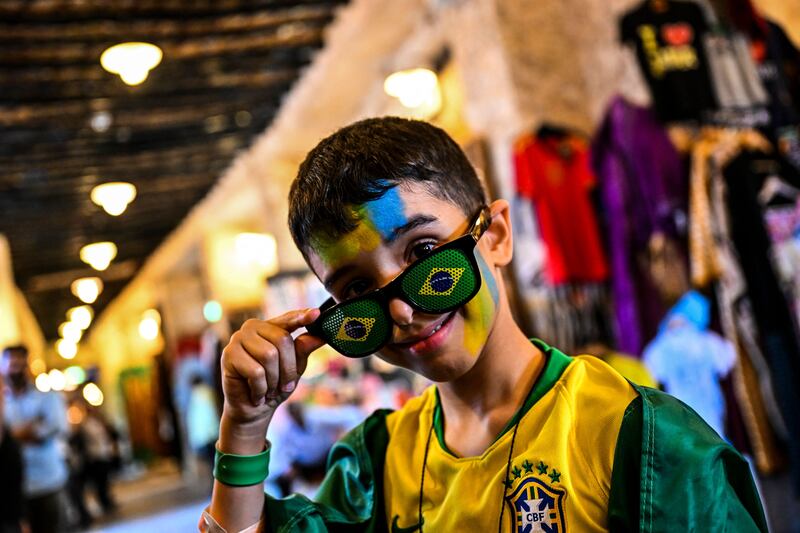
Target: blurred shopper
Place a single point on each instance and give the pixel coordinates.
(11, 483)
(202, 420)
(76, 460)
(36, 419)
(102, 453)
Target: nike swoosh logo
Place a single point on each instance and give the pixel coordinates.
(409, 529)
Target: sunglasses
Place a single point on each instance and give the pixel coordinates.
(438, 283)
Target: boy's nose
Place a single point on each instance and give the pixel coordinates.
(402, 314)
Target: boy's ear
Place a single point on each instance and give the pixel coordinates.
(499, 242)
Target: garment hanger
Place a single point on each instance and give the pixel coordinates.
(775, 191)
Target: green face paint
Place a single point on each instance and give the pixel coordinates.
(480, 311)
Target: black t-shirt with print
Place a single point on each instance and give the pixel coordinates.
(669, 46)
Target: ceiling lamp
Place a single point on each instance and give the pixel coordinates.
(132, 61)
(258, 251)
(81, 316)
(212, 311)
(93, 394)
(57, 379)
(417, 89)
(150, 324)
(99, 255)
(43, 382)
(87, 289)
(66, 349)
(114, 196)
(70, 332)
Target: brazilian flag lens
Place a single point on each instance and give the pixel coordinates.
(445, 280)
(356, 328)
(441, 282)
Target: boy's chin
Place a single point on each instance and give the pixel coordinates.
(446, 365)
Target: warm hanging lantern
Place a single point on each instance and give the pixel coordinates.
(132, 61)
(87, 289)
(99, 255)
(114, 196)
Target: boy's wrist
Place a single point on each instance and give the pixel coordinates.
(242, 438)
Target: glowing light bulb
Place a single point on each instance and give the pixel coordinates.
(93, 394)
(70, 332)
(259, 250)
(87, 289)
(99, 255)
(113, 196)
(43, 382)
(212, 311)
(417, 89)
(57, 380)
(81, 316)
(150, 324)
(132, 61)
(66, 349)
(75, 375)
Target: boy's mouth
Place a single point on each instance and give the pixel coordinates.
(430, 338)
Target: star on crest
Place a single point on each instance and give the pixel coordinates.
(517, 472)
(555, 476)
(508, 483)
(528, 466)
(541, 467)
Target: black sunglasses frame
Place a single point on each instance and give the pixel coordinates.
(466, 243)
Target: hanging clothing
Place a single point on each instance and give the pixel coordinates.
(717, 257)
(669, 47)
(744, 177)
(642, 190)
(554, 173)
(690, 361)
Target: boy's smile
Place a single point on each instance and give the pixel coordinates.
(403, 225)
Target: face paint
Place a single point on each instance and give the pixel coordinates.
(479, 312)
(378, 220)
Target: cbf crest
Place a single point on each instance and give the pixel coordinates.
(537, 507)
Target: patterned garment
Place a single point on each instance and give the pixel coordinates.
(592, 453)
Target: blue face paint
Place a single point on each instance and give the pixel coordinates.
(387, 213)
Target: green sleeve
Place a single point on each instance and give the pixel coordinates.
(351, 495)
(672, 472)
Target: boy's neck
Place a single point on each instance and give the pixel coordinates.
(501, 378)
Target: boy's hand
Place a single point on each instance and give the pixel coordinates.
(261, 366)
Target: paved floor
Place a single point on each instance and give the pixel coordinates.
(162, 499)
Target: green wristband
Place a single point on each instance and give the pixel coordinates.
(241, 470)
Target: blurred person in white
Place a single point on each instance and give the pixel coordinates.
(36, 420)
(11, 484)
(102, 453)
(202, 420)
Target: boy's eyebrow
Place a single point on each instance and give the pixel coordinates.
(415, 222)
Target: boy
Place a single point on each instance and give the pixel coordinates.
(514, 436)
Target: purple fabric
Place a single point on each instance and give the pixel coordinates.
(643, 191)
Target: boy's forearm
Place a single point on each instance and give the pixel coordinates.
(238, 508)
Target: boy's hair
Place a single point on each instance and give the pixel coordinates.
(362, 161)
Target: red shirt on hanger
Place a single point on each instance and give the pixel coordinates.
(554, 173)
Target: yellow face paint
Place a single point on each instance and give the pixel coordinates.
(377, 221)
(480, 311)
(365, 238)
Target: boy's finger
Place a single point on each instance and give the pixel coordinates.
(295, 319)
(304, 345)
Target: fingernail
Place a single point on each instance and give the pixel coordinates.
(289, 387)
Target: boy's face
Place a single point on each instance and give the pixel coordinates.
(395, 230)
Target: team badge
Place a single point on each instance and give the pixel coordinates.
(441, 281)
(537, 507)
(355, 329)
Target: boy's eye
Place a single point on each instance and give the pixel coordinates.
(355, 288)
(422, 249)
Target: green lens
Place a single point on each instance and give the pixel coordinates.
(442, 281)
(358, 328)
